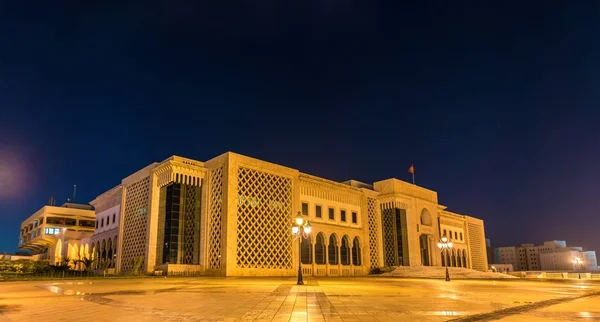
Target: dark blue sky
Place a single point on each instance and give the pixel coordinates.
(497, 107)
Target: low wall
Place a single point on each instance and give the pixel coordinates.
(557, 275)
(178, 269)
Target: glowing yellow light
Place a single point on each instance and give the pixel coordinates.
(307, 228)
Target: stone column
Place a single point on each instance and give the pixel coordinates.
(327, 257)
(314, 264)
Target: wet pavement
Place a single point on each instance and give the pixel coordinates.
(279, 299)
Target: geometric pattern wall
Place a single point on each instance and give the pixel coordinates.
(388, 224)
(215, 215)
(191, 224)
(373, 232)
(135, 220)
(264, 219)
(477, 247)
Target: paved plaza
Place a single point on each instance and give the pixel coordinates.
(279, 299)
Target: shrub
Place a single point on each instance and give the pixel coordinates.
(376, 270)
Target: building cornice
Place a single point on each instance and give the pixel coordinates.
(329, 183)
(100, 199)
(181, 170)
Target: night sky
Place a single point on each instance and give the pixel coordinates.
(497, 107)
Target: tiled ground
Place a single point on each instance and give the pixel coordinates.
(279, 299)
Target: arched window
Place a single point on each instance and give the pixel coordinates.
(458, 259)
(332, 250)
(97, 255)
(356, 259)
(109, 255)
(426, 217)
(115, 246)
(306, 250)
(320, 250)
(464, 254)
(345, 251)
(103, 250)
(453, 258)
(58, 253)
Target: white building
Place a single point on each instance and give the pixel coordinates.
(552, 255)
(106, 234)
(510, 255)
(58, 233)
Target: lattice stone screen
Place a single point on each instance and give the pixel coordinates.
(264, 220)
(135, 222)
(215, 216)
(191, 227)
(389, 236)
(373, 232)
(477, 247)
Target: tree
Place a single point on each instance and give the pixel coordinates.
(137, 264)
(86, 262)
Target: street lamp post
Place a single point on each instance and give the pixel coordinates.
(445, 244)
(577, 261)
(300, 229)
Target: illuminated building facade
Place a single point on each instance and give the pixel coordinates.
(106, 233)
(552, 255)
(232, 216)
(55, 233)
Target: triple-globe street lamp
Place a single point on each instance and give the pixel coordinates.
(300, 229)
(445, 245)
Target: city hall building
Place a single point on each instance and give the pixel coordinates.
(232, 216)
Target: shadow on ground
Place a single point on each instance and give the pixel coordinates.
(9, 308)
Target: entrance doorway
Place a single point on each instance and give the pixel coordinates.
(424, 243)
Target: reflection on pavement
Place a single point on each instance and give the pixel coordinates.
(61, 291)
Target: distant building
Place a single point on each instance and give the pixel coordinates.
(511, 255)
(489, 251)
(552, 255)
(55, 233)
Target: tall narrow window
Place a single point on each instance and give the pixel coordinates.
(305, 209)
(345, 251)
(461, 236)
(331, 214)
(356, 259)
(114, 218)
(306, 247)
(318, 211)
(102, 223)
(354, 217)
(332, 250)
(320, 250)
(343, 215)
